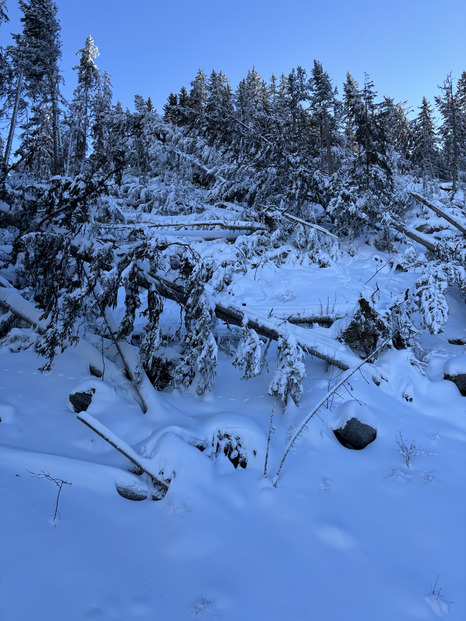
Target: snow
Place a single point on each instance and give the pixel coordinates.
(344, 535)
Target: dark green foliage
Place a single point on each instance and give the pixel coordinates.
(367, 330)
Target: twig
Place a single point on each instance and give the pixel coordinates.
(269, 435)
(58, 482)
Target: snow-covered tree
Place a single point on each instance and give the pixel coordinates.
(248, 356)
(324, 107)
(290, 373)
(424, 153)
(38, 51)
(451, 129)
(82, 106)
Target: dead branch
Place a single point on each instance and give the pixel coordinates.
(120, 445)
(321, 229)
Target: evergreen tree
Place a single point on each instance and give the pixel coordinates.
(461, 98)
(4, 69)
(252, 105)
(324, 105)
(364, 190)
(3, 12)
(424, 152)
(38, 51)
(451, 129)
(351, 106)
(81, 107)
(288, 378)
(198, 95)
(102, 136)
(397, 130)
(219, 107)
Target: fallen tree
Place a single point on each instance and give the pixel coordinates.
(440, 212)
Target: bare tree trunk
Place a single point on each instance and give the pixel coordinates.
(13, 120)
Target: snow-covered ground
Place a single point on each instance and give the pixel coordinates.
(371, 535)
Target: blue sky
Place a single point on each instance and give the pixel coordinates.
(152, 47)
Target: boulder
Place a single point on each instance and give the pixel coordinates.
(81, 400)
(455, 371)
(355, 435)
(459, 380)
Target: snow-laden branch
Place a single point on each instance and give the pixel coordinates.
(14, 301)
(288, 216)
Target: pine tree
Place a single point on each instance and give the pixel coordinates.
(451, 129)
(461, 98)
(290, 373)
(397, 130)
(219, 108)
(424, 152)
(3, 12)
(324, 105)
(38, 51)
(102, 135)
(198, 96)
(4, 70)
(364, 191)
(81, 107)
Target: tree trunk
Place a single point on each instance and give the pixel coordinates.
(13, 120)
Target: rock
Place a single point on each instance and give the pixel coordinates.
(355, 435)
(81, 400)
(459, 380)
(96, 372)
(132, 493)
(455, 371)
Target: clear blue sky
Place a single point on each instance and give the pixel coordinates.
(153, 47)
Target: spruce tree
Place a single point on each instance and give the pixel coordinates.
(324, 107)
(451, 129)
(102, 135)
(81, 107)
(424, 152)
(38, 51)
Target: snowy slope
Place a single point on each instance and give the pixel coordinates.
(345, 534)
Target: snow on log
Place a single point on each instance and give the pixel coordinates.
(14, 301)
(439, 212)
(314, 342)
(121, 446)
(415, 236)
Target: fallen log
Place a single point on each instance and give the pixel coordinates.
(414, 235)
(439, 212)
(312, 342)
(24, 310)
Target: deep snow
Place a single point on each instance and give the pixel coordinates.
(345, 534)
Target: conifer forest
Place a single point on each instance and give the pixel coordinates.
(211, 306)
